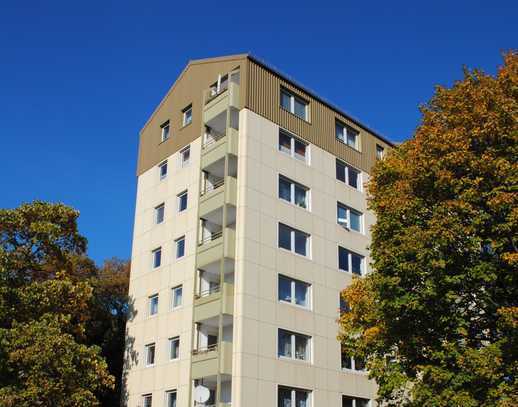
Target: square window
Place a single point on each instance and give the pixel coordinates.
(150, 354)
(180, 247)
(293, 192)
(162, 169)
(293, 146)
(293, 345)
(153, 305)
(187, 115)
(292, 397)
(348, 175)
(182, 201)
(165, 130)
(294, 291)
(157, 257)
(294, 104)
(174, 348)
(176, 294)
(347, 135)
(293, 240)
(159, 213)
(349, 218)
(350, 261)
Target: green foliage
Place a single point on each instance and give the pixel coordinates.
(439, 314)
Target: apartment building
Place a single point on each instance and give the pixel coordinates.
(250, 218)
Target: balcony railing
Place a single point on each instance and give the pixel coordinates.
(213, 92)
(212, 290)
(212, 138)
(213, 186)
(204, 350)
(208, 239)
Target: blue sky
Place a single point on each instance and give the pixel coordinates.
(79, 79)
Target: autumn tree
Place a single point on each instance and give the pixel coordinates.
(45, 303)
(437, 319)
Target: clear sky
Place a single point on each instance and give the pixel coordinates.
(79, 79)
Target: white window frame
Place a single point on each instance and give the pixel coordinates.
(153, 256)
(160, 166)
(353, 364)
(171, 341)
(147, 353)
(293, 391)
(346, 173)
(292, 192)
(176, 247)
(145, 397)
(369, 402)
(350, 253)
(184, 115)
(157, 212)
(346, 224)
(179, 200)
(293, 300)
(150, 306)
(380, 152)
(182, 162)
(294, 97)
(293, 335)
(292, 153)
(292, 240)
(174, 296)
(165, 134)
(344, 136)
(169, 393)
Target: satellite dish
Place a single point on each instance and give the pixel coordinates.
(201, 394)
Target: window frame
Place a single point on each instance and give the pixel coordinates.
(293, 292)
(293, 346)
(150, 305)
(153, 257)
(184, 115)
(293, 186)
(352, 360)
(168, 393)
(174, 296)
(177, 247)
(165, 131)
(179, 200)
(148, 347)
(347, 224)
(344, 137)
(158, 208)
(293, 140)
(171, 341)
(350, 253)
(293, 391)
(294, 97)
(380, 152)
(181, 155)
(354, 399)
(346, 180)
(293, 232)
(145, 397)
(163, 164)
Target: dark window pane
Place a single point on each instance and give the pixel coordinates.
(343, 259)
(346, 361)
(340, 171)
(157, 258)
(339, 131)
(285, 100)
(300, 196)
(183, 202)
(284, 237)
(284, 142)
(284, 344)
(359, 364)
(180, 248)
(284, 397)
(355, 219)
(301, 399)
(284, 289)
(341, 214)
(356, 263)
(284, 189)
(301, 347)
(354, 178)
(301, 294)
(300, 108)
(300, 149)
(347, 401)
(362, 402)
(301, 243)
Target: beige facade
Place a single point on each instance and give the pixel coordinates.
(235, 320)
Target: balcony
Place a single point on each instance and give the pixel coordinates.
(217, 101)
(210, 303)
(219, 244)
(215, 196)
(216, 145)
(225, 391)
(212, 360)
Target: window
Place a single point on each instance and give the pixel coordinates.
(348, 401)
(187, 115)
(351, 363)
(293, 146)
(185, 156)
(153, 304)
(294, 193)
(346, 134)
(182, 201)
(165, 130)
(147, 400)
(291, 397)
(348, 174)
(344, 306)
(294, 291)
(150, 354)
(349, 218)
(380, 152)
(159, 213)
(180, 247)
(294, 346)
(162, 169)
(293, 240)
(294, 104)
(171, 398)
(176, 297)
(350, 261)
(174, 348)
(157, 257)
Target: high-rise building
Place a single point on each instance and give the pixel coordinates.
(250, 218)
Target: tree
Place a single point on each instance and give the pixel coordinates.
(437, 319)
(45, 302)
